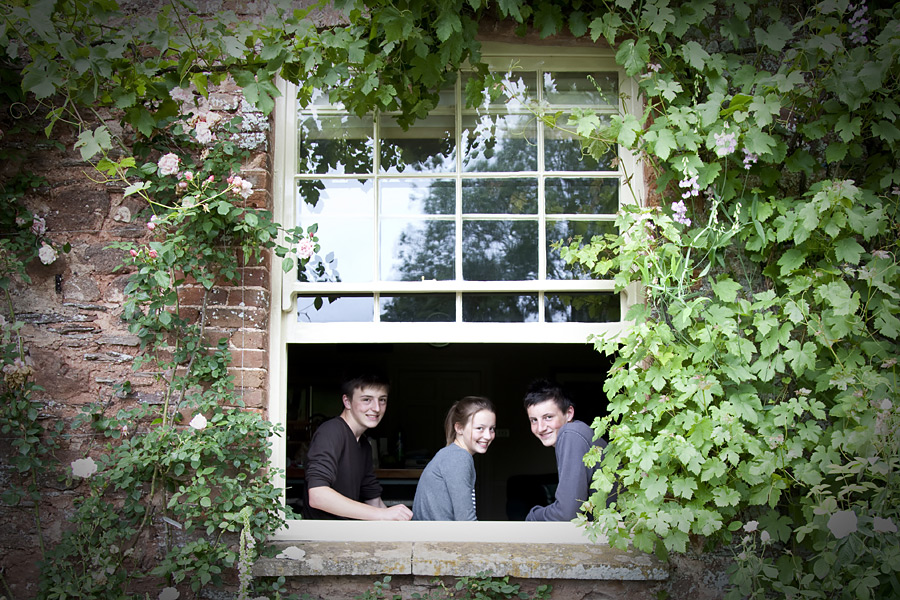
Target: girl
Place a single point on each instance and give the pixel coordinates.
(446, 490)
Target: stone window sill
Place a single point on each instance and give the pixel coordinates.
(519, 550)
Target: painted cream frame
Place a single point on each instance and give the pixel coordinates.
(285, 329)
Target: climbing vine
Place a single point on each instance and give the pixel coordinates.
(752, 402)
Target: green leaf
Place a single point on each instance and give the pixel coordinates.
(633, 56)
(90, 143)
(775, 37)
(725, 288)
(791, 260)
(694, 55)
(607, 26)
(848, 250)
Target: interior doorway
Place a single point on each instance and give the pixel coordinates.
(516, 472)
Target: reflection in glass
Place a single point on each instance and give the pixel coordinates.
(524, 82)
(565, 230)
(578, 196)
(335, 144)
(499, 143)
(563, 150)
(409, 308)
(336, 309)
(336, 197)
(500, 250)
(509, 196)
(426, 147)
(581, 307)
(500, 308)
(416, 249)
(418, 196)
(581, 89)
(341, 239)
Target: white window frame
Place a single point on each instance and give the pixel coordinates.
(285, 328)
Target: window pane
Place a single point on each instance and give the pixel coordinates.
(500, 308)
(335, 144)
(500, 250)
(512, 196)
(418, 196)
(566, 230)
(581, 89)
(339, 309)
(577, 196)
(523, 81)
(341, 238)
(413, 249)
(499, 143)
(563, 150)
(581, 308)
(426, 147)
(335, 197)
(408, 308)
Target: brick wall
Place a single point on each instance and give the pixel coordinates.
(81, 350)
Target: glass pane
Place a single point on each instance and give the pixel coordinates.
(499, 143)
(581, 89)
(416, 249)
(348, 244)
(500, 308)
(581, 196)
(426, 147)
(337, 309)
(565, 231)
(563, 150)
(335, 197)
(523, 82)
(418, 196)
(581, 308)
(512, 196)
(500, 250)
(335, 144)
(408, 308)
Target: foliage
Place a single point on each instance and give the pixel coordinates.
(754, 395)
(483, 586)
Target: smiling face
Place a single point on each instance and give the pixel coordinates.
(478, 433)
(546, 419)
(365, 409)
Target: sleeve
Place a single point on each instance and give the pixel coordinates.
(460, 480)
(322, 458)
(573, 486)
(370, 488)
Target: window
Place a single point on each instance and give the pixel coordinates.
(436, 254)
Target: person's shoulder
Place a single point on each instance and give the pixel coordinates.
(333, 426)
(576, 426)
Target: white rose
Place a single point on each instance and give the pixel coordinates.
(199, 422)
(47, 254)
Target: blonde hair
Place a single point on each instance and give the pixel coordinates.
(462, 412)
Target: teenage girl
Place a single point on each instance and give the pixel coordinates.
(446, 490)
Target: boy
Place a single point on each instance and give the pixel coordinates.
(340, 477)
(551, 415)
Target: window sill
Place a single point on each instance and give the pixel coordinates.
(520, 550)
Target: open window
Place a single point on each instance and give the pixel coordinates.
(437, 247)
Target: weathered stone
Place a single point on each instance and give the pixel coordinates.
(113, 357)
(80, 288)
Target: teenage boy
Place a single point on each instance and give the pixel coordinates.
(551, 414)
(340, 477)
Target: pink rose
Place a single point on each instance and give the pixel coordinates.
(305, 248)
(168, 164)
(152, 253)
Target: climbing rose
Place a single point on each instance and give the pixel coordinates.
(84, 467)
(884, 525)
(169, 593)
(842, 523)
(199, 422)
(47, 254)
(305, 248)
(168, 164)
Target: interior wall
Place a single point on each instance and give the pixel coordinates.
(425, 381)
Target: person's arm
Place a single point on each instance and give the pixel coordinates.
(460, 479)
(327, 499)
(572, 490)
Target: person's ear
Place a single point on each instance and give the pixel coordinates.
(347, 402)
(570, 414)
(458, 428)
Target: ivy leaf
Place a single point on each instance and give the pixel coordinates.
(775, 37)
(633, 56)
(800, 357)
(791, 260)
(663, 142)
(835, 152)
(607, 26)
(838, 295)
(726, 289)
(684, 487)
(90, 143)
(848, 250)
(695, 55)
